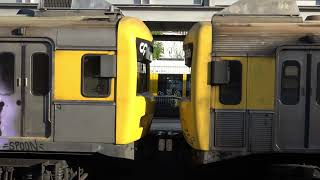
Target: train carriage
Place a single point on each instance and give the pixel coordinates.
(254, 82)
(74, 81)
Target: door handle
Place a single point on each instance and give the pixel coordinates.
(25, 82)
(18, 82)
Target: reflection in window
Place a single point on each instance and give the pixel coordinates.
(143, 77)
(170, 85)
(6, 73)
(230, 94)
(290, 83)
(92, 84)
(318, 83)
(40, 74)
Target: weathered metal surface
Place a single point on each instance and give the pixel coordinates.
(242, 39)
(266, 7)
(85, 128)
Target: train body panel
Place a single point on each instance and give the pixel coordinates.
(198, 44)
(133, 113)
(69, 83)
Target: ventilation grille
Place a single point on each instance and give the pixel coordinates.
(261, 132)
(229, 129)
(57, 3)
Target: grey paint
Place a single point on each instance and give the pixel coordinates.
(290, 121)
(10, 115)
(108, 66)
(260, 131)
(40, 145)
(314, 133)
(229, 129)
(258, 7)
(79, 122)
(94, 37)
(36, 117)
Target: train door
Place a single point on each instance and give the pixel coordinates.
(25, 89)
(10, 91)
(298, 111)
(36, 72)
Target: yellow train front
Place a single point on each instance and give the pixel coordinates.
(74, 81)
(255, 83)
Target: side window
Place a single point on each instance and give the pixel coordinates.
(188, 88)
(6, 73)
(40, 74)
(143, 76)
(93, 85)
(230, 94)
(318, 84)
(290, 83)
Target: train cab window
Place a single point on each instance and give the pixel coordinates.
(6, 73)
(290, 83)
(230, 94)
(142, 81)
(93, 85)
(188, 88)
(318, 84)
(40, 74)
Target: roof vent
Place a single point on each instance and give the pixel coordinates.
(55, 3)
(262, 8)
(74, 4)
(90, 4)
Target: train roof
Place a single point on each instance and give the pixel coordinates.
(59, 21)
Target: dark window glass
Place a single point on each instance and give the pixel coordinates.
(92, 84)
(230, 94)
(290, 83)
(188, 88)
(40, 74)
(170, 85)
(143, 77)
(6, 73)
(318, 83)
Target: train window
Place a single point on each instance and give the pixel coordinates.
(188, 88)
(143, 77)
(318, 83)
(92, 84)
(40, 74)
(6, 73)
(170, 85)
(230, 94)
(290, 83)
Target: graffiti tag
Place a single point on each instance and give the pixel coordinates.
(23, 146)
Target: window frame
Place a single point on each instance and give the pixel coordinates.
(109, 82)
(147, 73)
(13, 89)
(283, 68)
(226, 85)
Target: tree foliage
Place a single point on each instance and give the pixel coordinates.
(158, 49)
